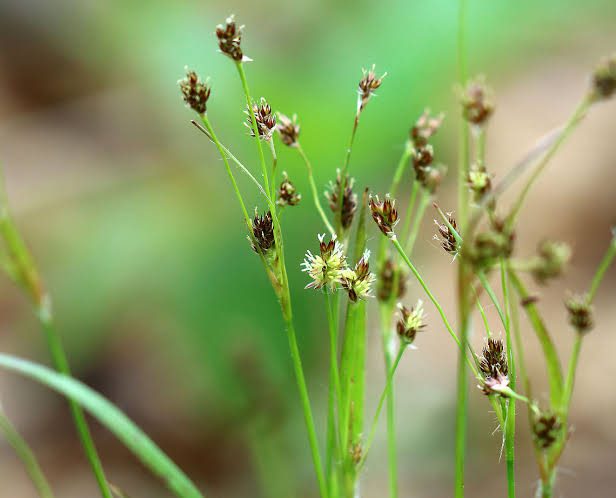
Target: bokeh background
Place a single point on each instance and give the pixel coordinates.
(159, 300)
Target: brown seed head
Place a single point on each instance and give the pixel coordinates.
(263, 231)
(229, 36)
(494, 359)
(367, 85)
(391, 274)
(287, 193)
(425, 127)
(604, 78)
(288, 129)
(195, 92)
(265, 118)
(411, 321)
(384, 214)
(446, 237)
(358, 281)
(580, 314)
(349, 200)
(477, 102)
(547, 428)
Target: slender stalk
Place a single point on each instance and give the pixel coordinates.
(406, 228)
(343, 174)
(485, 283)
(424, 200)
(379, 408)
(305, 400)
(255, 128)
(313, 188)
(570, 126)
(333, 439)
(27, 275)
(511, 415)
(26, 455)
(573, 363)
(603, 267)
(402, 164)
(274, 164)
(553, 366)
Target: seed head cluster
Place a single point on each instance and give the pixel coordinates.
(263, 232)
(446, 236)
(428, 174)
(552, 258)
(194, 92)
(493, 366)
(349, 200)
(287, 193)
(265, 118)
(288, 129)
(547, 428)
(229, 36)
(358, 281)
(384, 214)
(326, 268)
(477, 102)
(580, 313)
(391, 281)
(367, 85)
(411, 321)
(604, 78)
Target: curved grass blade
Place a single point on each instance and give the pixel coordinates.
(112, 418)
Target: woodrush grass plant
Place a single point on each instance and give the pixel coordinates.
(480, 240)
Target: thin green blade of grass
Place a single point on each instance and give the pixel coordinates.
(112, 418)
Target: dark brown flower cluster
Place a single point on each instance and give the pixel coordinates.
(493, 366)
(384, 214)
(263, 232)
(265, 118)
(446, 236)
(429, 175)
(391, 276)
(580, 313)
(195, 92)
(229, 37)
(358, 281)
(477, 102)
(547, 428)
(287, 193)
(288, 129)
(604, 78)
(367, 85)
(349, 199)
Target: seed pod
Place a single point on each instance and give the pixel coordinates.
(195, 92)
(580, 314)
(384, 214)
(230, 38)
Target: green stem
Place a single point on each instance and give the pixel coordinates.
(387, 335)
(333, 438)
(26, 455)
(343, 175)
(421, 209)
(379, 407)
(553, 366)
(603, 266)
(573, 363)
(274, 164)
(402, 164)
(510, 417)
(313, 188)
(305, 400)
(432, 298)
(410, 210)
(570, 125)
(255, 127)
(485, 283)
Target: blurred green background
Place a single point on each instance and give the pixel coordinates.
(160, 301)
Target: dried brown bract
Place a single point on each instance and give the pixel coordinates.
(287, 193)
(384, 214)
(349, 200)
(288, 129)
(229, 37)
(265, 118)
(263, 232)
(477, 102)
(195, 92)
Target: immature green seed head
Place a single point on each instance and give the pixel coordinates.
(552, 258)
(479, 182)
